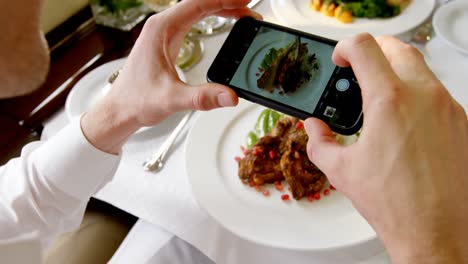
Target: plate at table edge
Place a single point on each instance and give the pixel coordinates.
(91, 88)
(305, 19)
(440, 17)
(212, 144)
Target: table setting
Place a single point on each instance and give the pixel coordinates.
(193, 197)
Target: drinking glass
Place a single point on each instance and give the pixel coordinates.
(191, 50)
(120, 14)
(211, 25)
(160, 5)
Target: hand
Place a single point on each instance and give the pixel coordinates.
(408, 172)
(148, 89)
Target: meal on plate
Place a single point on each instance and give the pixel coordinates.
(345, 10)
(276, 151)
(287, 68)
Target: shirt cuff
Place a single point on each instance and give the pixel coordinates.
(72, 164)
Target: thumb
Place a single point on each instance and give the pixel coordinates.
(207, 96)
(323, 149)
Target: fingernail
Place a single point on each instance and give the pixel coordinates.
(225, 99)
(307, 124)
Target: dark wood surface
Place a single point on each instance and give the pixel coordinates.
(73, 45)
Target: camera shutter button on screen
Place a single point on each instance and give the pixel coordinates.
(342, 85)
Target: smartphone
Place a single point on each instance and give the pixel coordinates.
(289, 71)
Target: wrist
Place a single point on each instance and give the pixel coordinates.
(427, 251)
(107, 127)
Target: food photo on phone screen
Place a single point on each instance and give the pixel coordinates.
(286, 68)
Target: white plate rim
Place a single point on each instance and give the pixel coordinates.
(83, 86)
(441, 13)
(333, 32)
(193, 168)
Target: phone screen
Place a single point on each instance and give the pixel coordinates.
(289, 71)
(286, 68)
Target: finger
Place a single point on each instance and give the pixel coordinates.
(373, 71)
(188, 12)
(405, 60)
(322, 148)
(179, 19)
(205, 97)
(238, 13)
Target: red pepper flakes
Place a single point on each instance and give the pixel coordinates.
(260, 70)
(257, 74)
(310, 198)
(272, 154)
(258, 188)
(285, 197)
(332, 187)
(317, 196)
(238, 159)
(326, 192)
(299, 125)
(266, 193)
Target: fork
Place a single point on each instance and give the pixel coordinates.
(424, 33)
(156, 162)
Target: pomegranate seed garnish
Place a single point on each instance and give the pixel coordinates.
(277, 183)
(266, 193)
(310, 198)
(243, 149)
(332, 187)
(279, 187)
(238, 159)
(272, 154)
(257, 151)
(258, 188)
(285, 197)
(299, 125)
(326, 192)
(317, 196)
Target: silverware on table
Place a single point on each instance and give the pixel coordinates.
(156, 162)
(423, 33)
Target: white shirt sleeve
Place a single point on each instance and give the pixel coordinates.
(45, 191)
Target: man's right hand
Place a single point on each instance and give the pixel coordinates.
(408, 172)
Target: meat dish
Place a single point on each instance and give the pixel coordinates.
(281, 155)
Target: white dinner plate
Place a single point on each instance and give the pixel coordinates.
(451, 24)
(297, 14)
(93, 86)
(212, 145)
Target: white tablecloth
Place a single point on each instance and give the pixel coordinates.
(168, 210)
